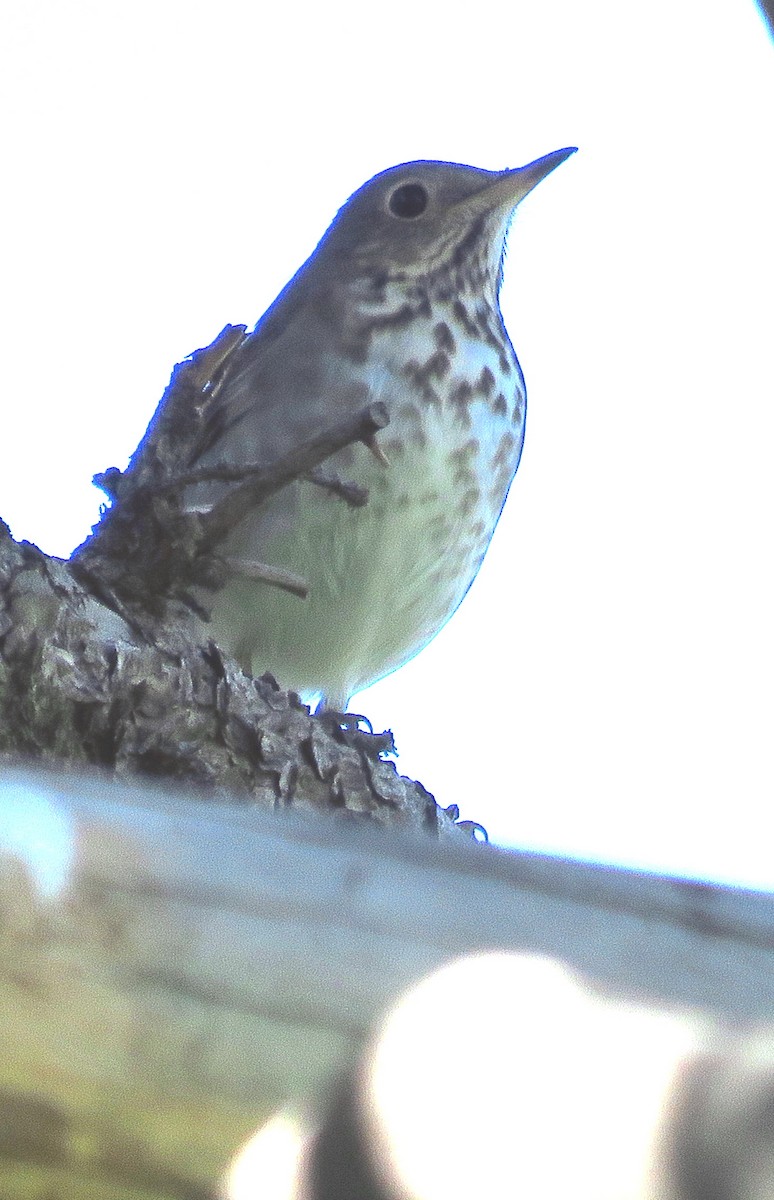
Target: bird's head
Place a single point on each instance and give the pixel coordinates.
(416, 219)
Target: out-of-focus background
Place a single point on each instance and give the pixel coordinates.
(605, 691)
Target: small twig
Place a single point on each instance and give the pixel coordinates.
(216, 473)
(229, 511)
(149, 544)
(353, 493)
(272, 476)
(288, 581)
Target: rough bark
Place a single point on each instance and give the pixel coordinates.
(106, 659)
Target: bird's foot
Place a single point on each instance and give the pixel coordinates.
(343, 722)
(355, 729)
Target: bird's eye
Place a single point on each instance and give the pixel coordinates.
(408, 200)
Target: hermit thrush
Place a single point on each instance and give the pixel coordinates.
(399, 303)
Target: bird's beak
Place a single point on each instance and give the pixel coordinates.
(508, 188)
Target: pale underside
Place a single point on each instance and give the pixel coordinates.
(383, 579)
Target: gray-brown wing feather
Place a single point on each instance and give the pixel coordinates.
(284, 384)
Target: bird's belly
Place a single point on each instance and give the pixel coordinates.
(383, 579)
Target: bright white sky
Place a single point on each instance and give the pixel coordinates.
(605, 691)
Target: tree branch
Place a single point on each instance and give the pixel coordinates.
(105, 659)
(148, 547)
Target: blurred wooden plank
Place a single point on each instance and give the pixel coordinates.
(173, 971)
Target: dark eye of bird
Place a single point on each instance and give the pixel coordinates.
(409, 200)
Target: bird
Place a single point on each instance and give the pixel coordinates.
(397, 305)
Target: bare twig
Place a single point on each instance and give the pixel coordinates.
(353, 493)
(150, 545)
(229, 511)
(287, 581)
